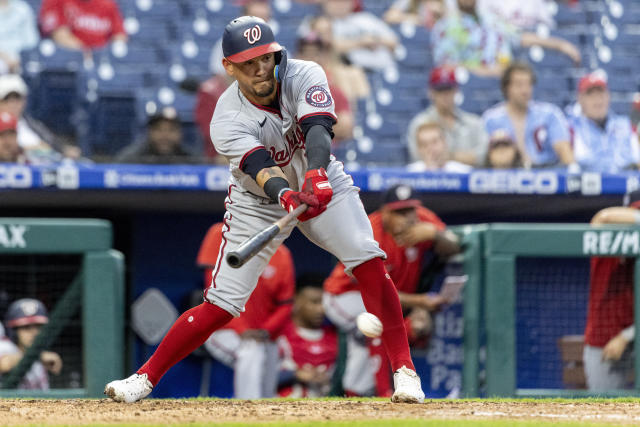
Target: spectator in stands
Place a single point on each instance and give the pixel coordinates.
(163, 143)
(602, 140)
(416, 241)
(10, 151)
(429, 147)
(24, 319)
(635, 112)
(416, 12)
(366, 40)
(503, 152)
(259, 8)
(18, 32)
(314, 48)
(350, 78)
(34, 137)
(308, 348)
(206, 99)
(82, 24)
(518, 21)
(464, 132)
(463, 39)
(483, 43)
(247, 343)
(540, 129)
(608, 360)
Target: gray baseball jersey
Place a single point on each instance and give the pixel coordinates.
(238, 128)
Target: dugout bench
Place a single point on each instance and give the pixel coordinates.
(491, 259)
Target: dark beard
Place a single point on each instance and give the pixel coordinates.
(266, 91)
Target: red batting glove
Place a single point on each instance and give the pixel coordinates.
(290, 200)
(317, 183)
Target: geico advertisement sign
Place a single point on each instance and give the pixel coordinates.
(513, 182)
(15, 176)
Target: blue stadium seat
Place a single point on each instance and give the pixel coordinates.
(294, 10)
(383, 154)
(110, 124)
(570, 15)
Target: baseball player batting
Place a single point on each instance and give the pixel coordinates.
(274, 125)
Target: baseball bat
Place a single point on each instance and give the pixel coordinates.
(255, 243)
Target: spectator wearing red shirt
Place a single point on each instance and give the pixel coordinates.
(82, 24)
(608, 359)
(308, 348)
(407, 232)
(247, 343)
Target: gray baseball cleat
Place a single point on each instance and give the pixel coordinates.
(407, 387)
(129, 390)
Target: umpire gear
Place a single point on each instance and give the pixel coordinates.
(248, 37)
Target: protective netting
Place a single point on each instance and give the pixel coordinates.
(551, 308)
(46, 278)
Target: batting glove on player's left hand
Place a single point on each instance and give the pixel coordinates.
(290, 200)
(317, 183)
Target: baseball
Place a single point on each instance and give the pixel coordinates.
(369, 325)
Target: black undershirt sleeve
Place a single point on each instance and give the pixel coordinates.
(260, 159)
(255, 161)
(318, 132)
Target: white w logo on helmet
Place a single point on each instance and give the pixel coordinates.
(253, 34)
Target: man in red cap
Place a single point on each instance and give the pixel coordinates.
(466, 138)
(10, 151)
(602, 140)
(407, 232)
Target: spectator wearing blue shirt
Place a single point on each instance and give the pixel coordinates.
(18, 32)
(602, 140)
(540, 129)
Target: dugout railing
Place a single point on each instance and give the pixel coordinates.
(96, 294)
(491, 253)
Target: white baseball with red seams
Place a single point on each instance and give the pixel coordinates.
(369, 325)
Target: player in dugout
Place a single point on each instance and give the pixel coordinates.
(247, 343)
(308, 346)
(274, 125)
(24, 319)
(414, 239)
(607, 356)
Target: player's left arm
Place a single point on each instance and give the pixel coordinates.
(316, 112)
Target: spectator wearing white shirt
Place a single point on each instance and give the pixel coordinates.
(33, 137)
(429, 147)
(602, 140)
(366, 40)
(464, 132)
(18, 32)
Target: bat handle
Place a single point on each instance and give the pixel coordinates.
(291, 215)
(257, 242)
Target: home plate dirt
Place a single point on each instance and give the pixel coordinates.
(165, 411)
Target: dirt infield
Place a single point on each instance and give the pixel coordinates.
(80, 411)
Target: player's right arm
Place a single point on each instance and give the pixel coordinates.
(616, 215)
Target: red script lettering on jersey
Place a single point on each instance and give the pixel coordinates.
(295, 140)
